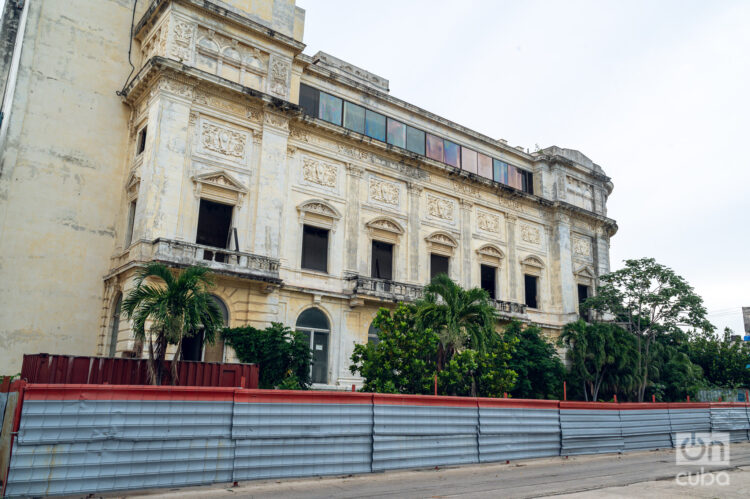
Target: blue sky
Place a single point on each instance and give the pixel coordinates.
(654, 92)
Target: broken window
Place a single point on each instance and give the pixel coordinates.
(131, 223)
(382, 260)
(141, 145)
(438, 265)
(314, 248)
(488, 279)
(214, 221)
(315, 326)
(530, 286)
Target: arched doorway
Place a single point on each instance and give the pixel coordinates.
(314, 324)
(115, 326)
(193, 348)
(372, 334)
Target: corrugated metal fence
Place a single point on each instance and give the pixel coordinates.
(80, 439)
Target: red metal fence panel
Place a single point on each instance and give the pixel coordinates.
(68, 369)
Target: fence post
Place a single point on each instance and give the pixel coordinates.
(565, 390)
(688, 399)
(436, 384)
(653, 398)
(615, 398)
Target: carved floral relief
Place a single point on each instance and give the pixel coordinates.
(384, 192)
(582, 247)
(318, 172)
(488, 222)
(439, 207)
(223, 140)
(530, 234)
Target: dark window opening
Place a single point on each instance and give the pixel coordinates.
(372, 335)
(530, 285)
(192, 347)
(527, 181)
(488, 274)
(314, 248)
(382, 260)
(142, 140)
(131, 223)
(214, 220)
(438, 265)
(309, 99)
(583, 295)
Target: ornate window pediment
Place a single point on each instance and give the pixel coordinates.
(490, 254)
(532, 265)
(132, 185)
(219, 186)
(585, 275)
(441, 242)
(319, 213)
(385, 224)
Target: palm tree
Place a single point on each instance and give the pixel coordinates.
(179, 308)
(461, 318)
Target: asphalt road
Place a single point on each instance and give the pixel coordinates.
(637, 474)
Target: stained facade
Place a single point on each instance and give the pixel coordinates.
(314, 195)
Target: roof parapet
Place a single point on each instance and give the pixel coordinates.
(350, 70)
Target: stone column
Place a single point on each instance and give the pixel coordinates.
(562, 282)
(352, 222)
(413, 231)
(514, 291)
(601, 251)
(465, 244)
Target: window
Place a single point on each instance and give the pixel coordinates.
(141, 140)
(468, 160)
(484, 166)
(500, 171)
(435, 148)
(396, 133)
(115, 326)
(415, 140)
(530, 286)
(527, 181)
(438, 265)
(216, 352)
(382, 260)
(452, 153)
(214, 220)
(354, 117)
(374, 125)
(131, 223)
(314, 248)
(309, 99)
(330, 108)
(488, 279)
(314, 324)
(372, 335)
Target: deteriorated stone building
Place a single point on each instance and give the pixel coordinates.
(314, 195)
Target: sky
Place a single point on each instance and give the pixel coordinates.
(657, 93)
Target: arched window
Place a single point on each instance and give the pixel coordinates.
(314, 324)
(194, 348)
(115, 326)
(372, 335)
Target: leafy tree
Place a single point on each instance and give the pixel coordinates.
(723, 360)
(461, 318)
(651, 300)
(177, 308)
(283, 356)
(674, 376)
(540, 371)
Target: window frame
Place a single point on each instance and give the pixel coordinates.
(328, 248)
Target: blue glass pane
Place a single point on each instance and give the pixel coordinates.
(354, 117)
(500, 171)
(330, 108)
(396, 133)
(415, 140)
(374, 125)
(452, 154)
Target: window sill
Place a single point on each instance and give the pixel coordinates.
(315, 273)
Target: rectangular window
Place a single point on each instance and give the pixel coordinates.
(396, 133)
(452, 153)
(314, 248)
(142, 140)
(583, 293)
(309, 98)
(214, 220)
(330, 108)
(514, 177)
(438, 265)
(530, 287)
(435, 148)
(374, 125)
(415, 140)
(500, 171)
(488, 278)
(484, 166)
(131, 223)
(354, 117)
(468, 160)
(382, 260)
(527, 181)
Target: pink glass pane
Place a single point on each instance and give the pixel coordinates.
(434, 147)
(468, 160)
(484, 166)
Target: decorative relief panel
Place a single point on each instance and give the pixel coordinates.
(383, 191)
(278, 82)
(579, 193)
(227, 57)
(440, 208)
(223, 140)
(182, 40)
(319, 172)
(582, 246)
(530, 234)
(488, 222)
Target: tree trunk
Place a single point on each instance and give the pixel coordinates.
(175, 361)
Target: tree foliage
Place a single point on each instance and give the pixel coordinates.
(283, 356)
(540, 370)
(173, 308)
(723, 360)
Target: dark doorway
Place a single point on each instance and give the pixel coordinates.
(314, 248)
(583, 293)
(488, 274)
(192, 347)
(382, 260)
(438, 265)
(214, 220)
(530, 285)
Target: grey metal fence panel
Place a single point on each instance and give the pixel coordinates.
(732, 420)
(646, 429)
(112, 465)
(295, 457)
(689, 420)
(414, 420)
(590, 431)
(408, 451)
(57, 421)
(295, 420)
(518, 433)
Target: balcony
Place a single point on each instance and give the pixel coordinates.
(221, 261)
(385, 290)
(510, 309)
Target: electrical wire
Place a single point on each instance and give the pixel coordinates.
(120, 93)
